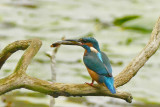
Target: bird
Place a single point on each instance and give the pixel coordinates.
(96, 61)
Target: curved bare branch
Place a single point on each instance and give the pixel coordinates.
(133, 67)
(14, 80)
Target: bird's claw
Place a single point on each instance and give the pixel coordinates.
(91, 84)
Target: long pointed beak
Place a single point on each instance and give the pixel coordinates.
(67, 42)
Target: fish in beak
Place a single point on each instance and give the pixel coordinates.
(67, 42)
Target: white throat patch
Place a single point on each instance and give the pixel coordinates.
(93, 49)
(98, 54)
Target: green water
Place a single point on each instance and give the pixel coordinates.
(122, 28)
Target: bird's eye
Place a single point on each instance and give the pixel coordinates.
(85, 41)
(81, 40)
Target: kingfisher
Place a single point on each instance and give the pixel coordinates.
(96, 61)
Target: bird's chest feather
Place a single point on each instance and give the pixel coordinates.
(92, 73)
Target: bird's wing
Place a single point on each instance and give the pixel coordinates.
(92, 61)
(106, 62)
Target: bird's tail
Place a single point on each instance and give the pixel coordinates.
(109, 82)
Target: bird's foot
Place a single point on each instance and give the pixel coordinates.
(91, 84)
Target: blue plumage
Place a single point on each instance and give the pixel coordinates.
(106, 62)
(99, 63)
(99, 56)
(108, 81)
(92, 61)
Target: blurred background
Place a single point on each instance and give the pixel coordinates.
(122, 28)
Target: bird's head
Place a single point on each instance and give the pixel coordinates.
(90, 42)
(85, 42)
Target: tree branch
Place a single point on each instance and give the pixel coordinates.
(62, 89)
(133, 67)
(11, 48)
(12, 81)
(19, 79)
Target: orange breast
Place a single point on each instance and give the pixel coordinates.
(93, 75)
